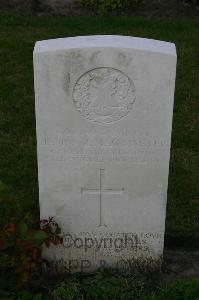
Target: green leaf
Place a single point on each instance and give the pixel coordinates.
(38, 237)
(37, 297)
(4, 191)
(25, 295)
(22, 229)
(4, 261)
(9, 242)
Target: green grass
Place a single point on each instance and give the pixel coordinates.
(118, 288)
(18, 165)
(107, 287)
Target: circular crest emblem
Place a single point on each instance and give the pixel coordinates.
(104, 95)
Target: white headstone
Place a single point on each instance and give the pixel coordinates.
(104, 117)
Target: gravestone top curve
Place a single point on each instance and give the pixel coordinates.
(103, 41)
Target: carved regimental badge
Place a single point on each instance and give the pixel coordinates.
(104, 95)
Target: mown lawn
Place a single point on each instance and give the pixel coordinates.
(18, 164)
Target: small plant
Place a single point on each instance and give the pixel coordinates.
(105, 6)
(52, 231)
(20, 246)
(66, 291)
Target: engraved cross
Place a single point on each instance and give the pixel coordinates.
(102, 192)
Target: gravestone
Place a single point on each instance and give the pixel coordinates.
(104, 117)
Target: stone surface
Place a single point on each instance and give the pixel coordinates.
(104, 116)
